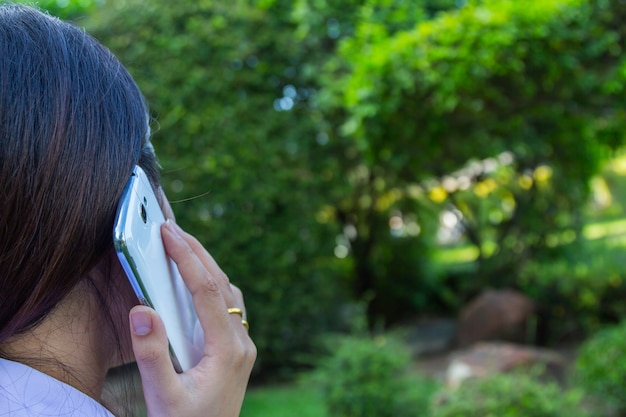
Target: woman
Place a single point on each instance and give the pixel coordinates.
(73, 124)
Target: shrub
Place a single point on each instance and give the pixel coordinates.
(600, 369)
(369, 377)
(580, 291)
(508, 395)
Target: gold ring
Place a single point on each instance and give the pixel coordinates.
(245, 324)
(235, 310)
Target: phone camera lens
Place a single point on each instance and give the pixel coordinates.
(144, 214)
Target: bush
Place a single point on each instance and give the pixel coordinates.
(508, 395)
(368, 377)
(600, 369)
(579, 292)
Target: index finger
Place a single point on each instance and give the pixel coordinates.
(205, 257)
(208, 299)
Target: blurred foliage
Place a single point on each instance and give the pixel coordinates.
(531, 92)
(392, 269)
(314, 145)
(578, 292)
(251, 180)
(508, 395)
(247, 152)
(73, 10)
(601, 372)
(364, 376)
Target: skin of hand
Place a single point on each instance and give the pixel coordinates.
(216, 386)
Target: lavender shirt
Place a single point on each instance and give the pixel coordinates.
(26, 392)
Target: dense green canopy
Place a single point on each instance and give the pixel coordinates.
(313, 145)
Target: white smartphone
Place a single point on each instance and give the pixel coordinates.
(152, 274)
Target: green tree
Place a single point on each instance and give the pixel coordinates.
(246, 150)
(538, 83)
(292, 132)
(65, 9)
(241, 160)
(394, 275)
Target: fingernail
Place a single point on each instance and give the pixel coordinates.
(141, 321)
(172, 227)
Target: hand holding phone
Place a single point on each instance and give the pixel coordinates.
(216, 386)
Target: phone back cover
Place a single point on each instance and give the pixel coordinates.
(153, 275)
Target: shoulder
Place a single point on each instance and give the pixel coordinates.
(26, 392)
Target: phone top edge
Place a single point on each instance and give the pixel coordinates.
(122, 209)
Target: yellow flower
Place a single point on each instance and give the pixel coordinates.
(438, 194)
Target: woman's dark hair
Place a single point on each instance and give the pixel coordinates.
(73, 124)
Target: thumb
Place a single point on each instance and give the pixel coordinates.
(150, 346)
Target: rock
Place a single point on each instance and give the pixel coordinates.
(431, 336)
(488, 358)
(495, 315)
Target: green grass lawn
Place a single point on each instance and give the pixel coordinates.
(283, 401)
(300, 400)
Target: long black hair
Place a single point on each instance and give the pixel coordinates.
(73, 124)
